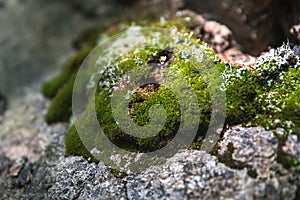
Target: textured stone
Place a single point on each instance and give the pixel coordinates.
(189, 175)
(256, 149)
(76, 178)
(292, 146)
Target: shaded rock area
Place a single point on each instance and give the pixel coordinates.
(44, 172)
(217, 36)
(255, 24)
(2, 106)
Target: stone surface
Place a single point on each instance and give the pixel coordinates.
(255, 147)
(292, 146)
(256, 150)
(75, 178)
(190, 175)
(216, 35)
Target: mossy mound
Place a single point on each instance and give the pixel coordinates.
(60, 89)
(159, 62)
(266, 95)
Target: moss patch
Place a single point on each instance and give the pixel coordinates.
(60, 89)
(255, 97)
(159, 60)
(51, 88)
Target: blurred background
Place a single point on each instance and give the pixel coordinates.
(37, 36)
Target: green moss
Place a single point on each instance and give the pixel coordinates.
(270, 93)
(60, 108)
(141, 101)
(241, 94)
(51, 88)
(75, 147)
(253, 98)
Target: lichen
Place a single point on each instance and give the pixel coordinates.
(266, 95)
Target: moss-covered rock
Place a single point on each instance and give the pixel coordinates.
(266, 95)
(159, 63)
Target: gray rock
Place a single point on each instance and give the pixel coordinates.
(75, 178)
(292, 146)
(190, 175)
(256, 149)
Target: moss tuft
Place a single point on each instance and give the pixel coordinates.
(51, 88)
(75, 147)
(60, 108)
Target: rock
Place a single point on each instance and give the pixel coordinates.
(256, 149)
(255, 146)
(216, 35)
(292, 146)
(5, 164)
(189, 175)
(295, 30)
(20, 173)
(255, 26)
(27, 157)
(76, 178)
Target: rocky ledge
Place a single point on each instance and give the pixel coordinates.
(245, 166)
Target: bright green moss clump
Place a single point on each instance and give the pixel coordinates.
(50, 88)
(160, 61)
(60, 89)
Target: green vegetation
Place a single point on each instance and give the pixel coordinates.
(269, 93)
(258, 97)
(60, 89)
(169, 62)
